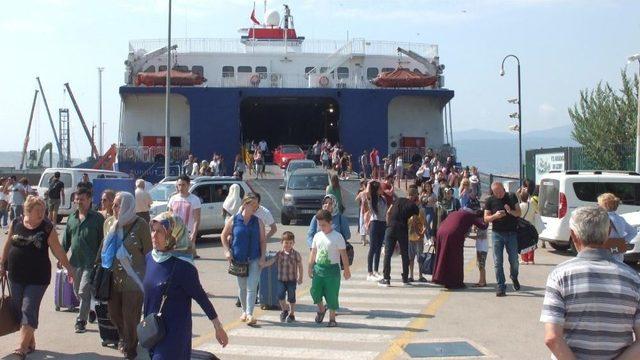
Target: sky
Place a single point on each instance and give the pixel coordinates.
(564, 46)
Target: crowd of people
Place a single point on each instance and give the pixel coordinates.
(151, 260)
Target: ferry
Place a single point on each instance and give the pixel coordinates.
(272, 84)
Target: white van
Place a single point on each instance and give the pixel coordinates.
(70, 177)
(562, 192)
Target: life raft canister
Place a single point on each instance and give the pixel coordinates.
(323, 81)
(255, 80)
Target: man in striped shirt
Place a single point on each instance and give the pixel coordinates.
(592, 302)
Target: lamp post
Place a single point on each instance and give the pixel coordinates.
(631, 59)
(100, 126)
(167, 137)
(519, 114)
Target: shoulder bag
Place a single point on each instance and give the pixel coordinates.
(101, 277)
(527, 235)
(239, 268)
(151, 330)
(9, 323)
(427, 261)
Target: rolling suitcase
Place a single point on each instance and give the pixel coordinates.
(269, 285)
(63, 296)
(108, 331)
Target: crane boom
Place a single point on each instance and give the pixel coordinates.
(26, 138)
(94, 150)
(53, 127)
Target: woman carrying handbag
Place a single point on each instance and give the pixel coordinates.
(243, 239)
(171, 282)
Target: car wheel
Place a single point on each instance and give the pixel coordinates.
(284, 219)
(572, 248)
(560, 247)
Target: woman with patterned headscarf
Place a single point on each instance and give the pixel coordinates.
(125, 245)
(170, 271)
(339, 222)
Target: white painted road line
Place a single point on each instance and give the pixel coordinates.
(307, 319)
(321, 334)
(344, 300)
(259, 351)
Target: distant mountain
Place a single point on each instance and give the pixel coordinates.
(497, 152)
(12, 159)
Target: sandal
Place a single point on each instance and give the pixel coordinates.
(19, 354)
(320, 316)
(332, 323)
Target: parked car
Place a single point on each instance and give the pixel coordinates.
(285, 153)
(633, 254)
(71, 177)
(212, 191)
(303, 194)
(562, 192)
(295, 165)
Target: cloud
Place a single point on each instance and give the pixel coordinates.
(546, 109)
(23, 26)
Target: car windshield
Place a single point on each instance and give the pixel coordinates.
(162, 192)
(308, 182)
(290, 150)
(293, 166)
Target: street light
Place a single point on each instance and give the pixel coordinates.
(519, 114)
(167, 129)
(631, 59)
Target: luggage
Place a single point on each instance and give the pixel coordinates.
(63, 296)
(108, 331)
(202, 355)
(427, 261)
(269, 285)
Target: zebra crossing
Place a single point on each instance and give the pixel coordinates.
(369, 319)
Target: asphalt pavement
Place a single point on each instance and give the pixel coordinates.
(374, 323)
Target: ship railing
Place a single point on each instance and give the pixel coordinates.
(214, 45)
(408, 153)
(332, 80)
(150, 153)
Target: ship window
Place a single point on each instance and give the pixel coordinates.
(197, 69)
(181, 68)
(372, 73)
(343, 72)
(227, 71)
(387, 69)
(262, 71)
(244, 69)
(162, 68)
(150, 69)
(417, 71)
(324, 69)
(308, 69)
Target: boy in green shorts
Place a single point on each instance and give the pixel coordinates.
(327, 249)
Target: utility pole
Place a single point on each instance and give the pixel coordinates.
(100, 126)
(53, 127)
(167, 137)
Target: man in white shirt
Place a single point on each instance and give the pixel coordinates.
(265, 215)
(186, 206)
(143, 200)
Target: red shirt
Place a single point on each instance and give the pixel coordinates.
(373, 156)
(387, 190)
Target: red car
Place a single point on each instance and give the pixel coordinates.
(285, 153)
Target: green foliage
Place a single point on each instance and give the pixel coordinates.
(604, 123)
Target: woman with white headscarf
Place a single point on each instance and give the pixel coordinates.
(170, 271)
(232, 202)
(339, 222)
(126, 242)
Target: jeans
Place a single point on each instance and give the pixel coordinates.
(83, 289)
(376, 239)
(248, 287)
(390, 239)
(502, 239)
(4, 217)
(431, 215)
(16, 211)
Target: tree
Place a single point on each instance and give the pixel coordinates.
(604, 123)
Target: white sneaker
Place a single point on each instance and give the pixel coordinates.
(378, 276)
(372, 277)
